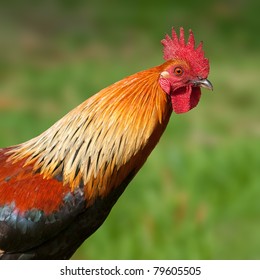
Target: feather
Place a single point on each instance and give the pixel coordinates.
(119, 119)
(80, 161)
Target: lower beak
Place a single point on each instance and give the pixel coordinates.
(205, 83)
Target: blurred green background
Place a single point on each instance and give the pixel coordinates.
(198, 196)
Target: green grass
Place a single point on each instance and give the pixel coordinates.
(198, 195)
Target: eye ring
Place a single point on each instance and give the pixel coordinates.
(178, 71)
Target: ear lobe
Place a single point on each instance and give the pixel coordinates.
(165, 74)
(164, 82)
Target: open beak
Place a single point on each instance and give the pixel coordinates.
(205, 83)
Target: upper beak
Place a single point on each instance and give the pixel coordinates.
(203, 83)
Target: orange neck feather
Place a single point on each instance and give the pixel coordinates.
(104, 138)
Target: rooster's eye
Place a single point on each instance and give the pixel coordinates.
(178, 71)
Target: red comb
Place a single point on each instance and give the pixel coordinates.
(176, 48)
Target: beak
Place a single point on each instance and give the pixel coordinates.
(205, 83)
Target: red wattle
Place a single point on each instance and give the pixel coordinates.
(185, 99)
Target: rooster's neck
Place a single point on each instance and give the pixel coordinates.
(104, 139)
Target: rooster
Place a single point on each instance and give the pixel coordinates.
(58, 188)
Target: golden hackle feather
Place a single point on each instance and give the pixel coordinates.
(99, 142)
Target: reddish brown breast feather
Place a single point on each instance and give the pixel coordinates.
(28, 190)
